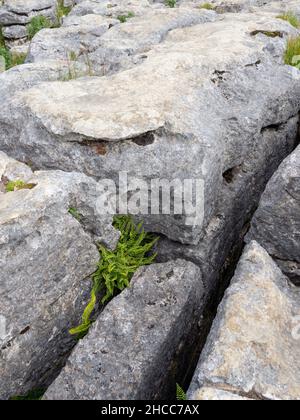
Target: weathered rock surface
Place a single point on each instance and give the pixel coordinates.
(16, 14)
(215, 394)
(12, 170)
(176, 93)
(46, 259)
(192, 71)
(251, 350)
(73, 39)
(276, 223)
(131, 351)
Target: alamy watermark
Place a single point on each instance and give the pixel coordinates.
(137, 196)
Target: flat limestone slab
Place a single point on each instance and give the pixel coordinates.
(253, 348)
(192, 109)
(20, 12)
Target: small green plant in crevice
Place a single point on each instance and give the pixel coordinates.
(170, 3)
(36, 24)
(124, 18)
(116, 268)
(75, 70)
(18, 185)
(292, 53)
(10, 59)
(2, 40)
(75, 213)
(180, 394)
(291, 18)
(34, 395)
(62, 10)
(40, 22)
(207, 6)
(17, 59)
(4, 52)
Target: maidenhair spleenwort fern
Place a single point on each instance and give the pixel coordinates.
(180, 394)
(116, 268)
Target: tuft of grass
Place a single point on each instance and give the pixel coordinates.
(116, 268)
(4, 52)
(74, 212)
(292, 53)
(62, 10)
(14, 185)
(40, 22)
(270, 34)
(36, 24)
(207, 6)
(34, 395)
(124, 18)
(180, 394)
(2, 40)
(291, 18)
(11, 60)
(170, 3)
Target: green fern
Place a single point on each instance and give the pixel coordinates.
(116, 268)
(180, 394)
(292, 53)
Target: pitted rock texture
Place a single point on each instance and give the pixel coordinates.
(242, 189)
(209, 66)
(157, 92)
(131, 350)
(276, 223)
(15, 15)
(215, 394)
(252, 350)
(46, 259)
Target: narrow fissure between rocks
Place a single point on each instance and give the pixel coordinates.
(188, 364)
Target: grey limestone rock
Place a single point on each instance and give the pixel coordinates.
(46, 260)
(131, 351)
(253, 348)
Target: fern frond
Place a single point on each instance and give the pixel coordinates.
(116, 268)
(180, 394)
